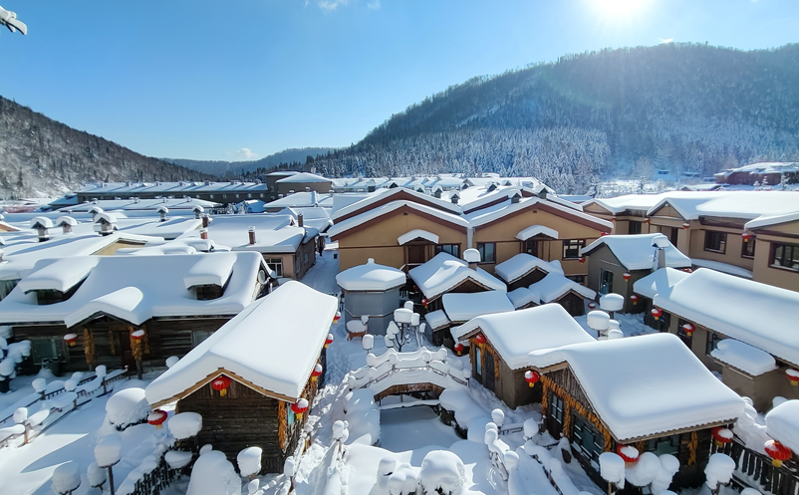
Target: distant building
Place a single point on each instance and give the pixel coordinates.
(761, 173)
(218, 192)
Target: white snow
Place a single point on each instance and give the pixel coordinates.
(96, 475)
(516, 333)
(653, 397)
(660, 281)
(127, 407)
(443, 472)
(210, 270)
(417, 234)
(58, 276)
(66, 477)
(746, 358)
(249, 461)
(611, 302)
(178, 458)
(299, 322)
(107, 450)
(636, 252)
(370, 277)
(462, 307)
(555, 285)
(523, 296)
(521, 265)
(782, 424)
(719, 470)
(213, 474)
(724, 303)
(445, 271)
(611, 468)
(185, 425)
(437, 319)
(535, 230)
(723, 267)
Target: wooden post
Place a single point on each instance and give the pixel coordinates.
(111, 479)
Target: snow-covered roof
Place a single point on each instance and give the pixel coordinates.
(767, 221)
(464, 307)
(515, 334)
(722, 267)
(444, 271)
(132, 288)
(273, 233)
(209, 271)
(185, 204)
(655, 385)
(781, 424)
(535, 230)
(169, 188)
(523, 296)
(340, 227)
(273, 345)
(304, 177)
(556, 285)
(661, 280)
(437, 319)
(636, 252)
(746, 358)
(417, 234)
(370, 277)
(520, 265)
(760, 315)
(302, 198)
(385, 194)
(488, 215)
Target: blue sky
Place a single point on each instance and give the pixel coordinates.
(209, 80)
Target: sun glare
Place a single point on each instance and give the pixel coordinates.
(618, 8)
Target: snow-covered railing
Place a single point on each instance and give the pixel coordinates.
(151, 476)
(755, 470)
(398, 368)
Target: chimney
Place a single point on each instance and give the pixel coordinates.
(67, 228)
(455, 197)
(661, 259)
(300, 222)
(206, 221)
(516, 197)
(543, 193)
(204, 234)
(162, 211)
(251, 233)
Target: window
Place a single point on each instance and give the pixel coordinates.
(305, 257)
(634, 227)
(580, 279)
(48, 350)
(486, 250)
(605, 281)
(208, 292)
(556, 407)
(478, 362)
(571, 248)
(712, 341)
(587, 440)
(748, 248)
(276, 265)
(683, 335)
(664, 445)
(453, 249)
(289, 416)
(715, 241)
(210, 196)
(198, 336)
(531, 247)
(785, 256)
(249, 195)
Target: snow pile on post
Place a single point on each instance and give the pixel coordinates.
(611, 468)
(127, 407)
(636, 252)
(370, 276)
(516, 333)
(107, 450)
(213, 474)
(719, 470)
(746, 358)
(288, 347)
(442, 472)
(465, 306)
(66, 477)
(445, 271)
(782, 424)
(185, 425)
(664, 386)
(249, 461)
(177, 458)
(522, 264)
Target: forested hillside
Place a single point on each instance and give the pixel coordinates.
(39, 156)
(681, 107)
(251, 167)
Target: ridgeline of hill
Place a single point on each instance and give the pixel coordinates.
(254, 168)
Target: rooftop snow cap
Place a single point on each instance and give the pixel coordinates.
(371, 277)
(471, 255)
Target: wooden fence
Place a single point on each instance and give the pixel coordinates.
(755, 470)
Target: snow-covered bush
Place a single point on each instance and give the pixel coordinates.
(107, 450)
(718, 471)
(66, 478)
(185, 425)
(127, 407)
(611, 468)
(643, 472)
(11, 355)
(213, 474)
(363, 416)
(669, 465)
(442, 471)
(96, 475)
(498, 417)
(249, 461)
(530, 428)
(172, 361)
(403, 481)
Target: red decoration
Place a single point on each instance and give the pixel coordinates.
(71, 339)
(746, 236)
(480, 338)
(532, 377)
(299, 407)
(721, 435)
(628, 453)
(582, 259)
(646, 220)
(778, 452)
(689, 329)
(603, 234)
(317, 372)
(793, 376)
(656, 313)
(686, 225)
(688, 270)
(328, 340)
(458, 348)
(137, 335)
(626, 276)
(613, 219)
(592, 305)
(424, 302)
(634, 299)
(337, 317)
(221, 385)
(157, 418)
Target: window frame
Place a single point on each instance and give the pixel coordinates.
(478, 363)
(716, 235)
(773, 256)
(638, 227)
(712, 341)
(603, 282)
(569, 245)
(442, 248)
(278, 265)
(481, 246)
(689, 341)
(748, 244)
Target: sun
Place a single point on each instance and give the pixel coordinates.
(618, 8)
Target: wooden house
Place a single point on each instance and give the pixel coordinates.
(557, 288)
(178, 300)
(524, 270)
(648, 392)
(458, 308)
(446, 274)
(499, 344)
(264, 361)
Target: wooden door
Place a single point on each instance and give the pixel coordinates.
(555, 409)
(531, 247)
(416, 254)
(488, 374)
(121, 333)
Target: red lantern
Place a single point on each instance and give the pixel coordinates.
(480, 338)
(634, 299)
(299, 407)
(628, 453)
(613, 219)
(221, 385)
(137, 335)
(531, 377)
(157, 418)
(337, 317)
(458, 348)
(317, 372)
(746, 236)
(646, 220)
(688, 270)
(603, 234)
(626, 276)
(686, 225)
(721, 435)
(71, 339)
(656, 313)
(424, 302)
(592, 305)
(582, 259)
(689, 329)
(778, 452)
(328, 340)
(793, 376)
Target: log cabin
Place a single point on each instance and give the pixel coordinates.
(264, 359)
(557, 288)
(524, 270)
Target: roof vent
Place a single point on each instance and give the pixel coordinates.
(162, 211)
(251, 234)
